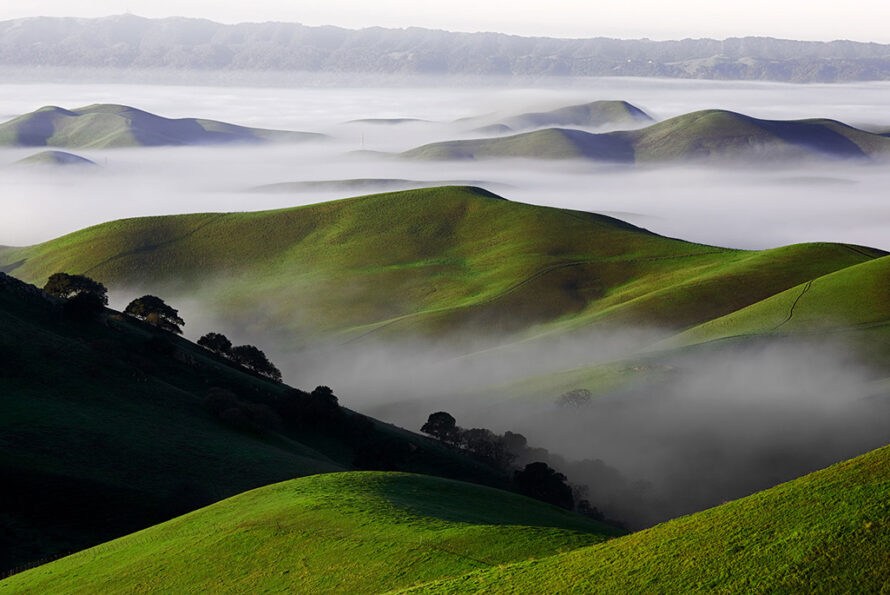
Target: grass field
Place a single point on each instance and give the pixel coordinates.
(335, 533)
(828, 532)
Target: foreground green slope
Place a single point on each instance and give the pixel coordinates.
(827, 532)
(108, 125)
(104, 430)
(335, 533)
(716, 135)
(441, 260)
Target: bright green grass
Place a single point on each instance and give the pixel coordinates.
(850, 302)
(336, 533)
(827, 532)
(440, 260)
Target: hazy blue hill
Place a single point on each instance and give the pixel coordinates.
(108, 125)
(387, 121)
(549, 143)
(55, 158)
(131, 42)
(723, 134)
(716, 135)
(592, 115)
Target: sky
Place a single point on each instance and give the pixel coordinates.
(860, 20)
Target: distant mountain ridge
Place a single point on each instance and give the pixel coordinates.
(131, 42)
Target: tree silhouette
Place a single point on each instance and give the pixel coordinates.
(154, 311)
(540, 482)
(217, 343)
(441, 425)
(68, 286)
(254, 359)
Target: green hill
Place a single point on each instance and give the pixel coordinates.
(851, 301)
(106, 126)
(704, 135)
(443, 260)
(55, 158)
(593, 115)
(827, 532)
(549, 143)
(334, 533)
(108, 427)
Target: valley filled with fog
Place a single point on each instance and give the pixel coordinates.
(692, 418)
(745, 207)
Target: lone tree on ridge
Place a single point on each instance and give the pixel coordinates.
(154, 311)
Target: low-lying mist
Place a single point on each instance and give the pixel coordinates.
(727, 206)
(675, 432)
(663, 433)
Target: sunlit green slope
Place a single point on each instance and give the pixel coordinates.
(827, 532)
(441, 260)
(337, 533)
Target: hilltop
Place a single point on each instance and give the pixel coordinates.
(55, 158)
(107, 126)
(595, 114)
(716, 135)
(430, 261)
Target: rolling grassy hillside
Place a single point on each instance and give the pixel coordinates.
(851, 301)
(348, 532)
(55, 158)
(107, 126)
(105, 429)
(704, 135)
(826, 532)
(444, 260)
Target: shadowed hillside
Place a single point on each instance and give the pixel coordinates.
(109, 425)
(106, 126)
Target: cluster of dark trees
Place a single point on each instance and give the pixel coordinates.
(86, 298)
(536, 479)
(247, 356)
